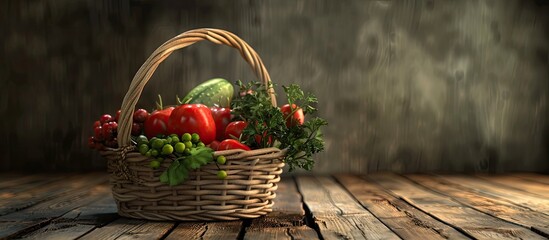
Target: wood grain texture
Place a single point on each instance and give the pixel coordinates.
(79, 221)
(474, 223)
(208, 230)
(536, 188)
(532, 177)
(42, 191)
(494, 206)
(520, 198)
(405, 220)
(429, 85)
(125, 228)
(287, 219)
(337, 214)
(42, 213)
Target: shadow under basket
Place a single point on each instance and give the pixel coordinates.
(247, 192)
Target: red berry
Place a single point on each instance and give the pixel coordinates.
(113, 143)
(91, 142)
(99, 146)
(105, 118)
(98, 133)
(140, 116)
(117, 115)
(96, 124)
(137, 128)
(109, 129)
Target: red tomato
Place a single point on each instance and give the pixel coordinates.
(222, 117)
(297, 117)
(232, 144)
(193, 118)
(234, 129)
(157, 123)
(214, 145)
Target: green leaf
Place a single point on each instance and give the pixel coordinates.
(177, 173)
(164, 178)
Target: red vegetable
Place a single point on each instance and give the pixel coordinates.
(157, 123)
(214, 145)
(297, 117)
(232, 144)
(193, 118)
(234, 129)
(222, 117)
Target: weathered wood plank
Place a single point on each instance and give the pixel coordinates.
(78, 221)
(474, 223)
(520, 198)
(13, 180)
(33, 217)
(287, 217)
(9, 192)
(337, 214)
(125, 228)
(188, 230)
(533, 177)
(536, 188)
(399, 216)
(210, 230)
(487, 204)
(43, 192)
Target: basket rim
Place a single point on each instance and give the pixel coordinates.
(180, 41)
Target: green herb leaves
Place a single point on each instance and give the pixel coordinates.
(178, 171)
(267, 126)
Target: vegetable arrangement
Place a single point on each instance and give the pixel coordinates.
(209, 118)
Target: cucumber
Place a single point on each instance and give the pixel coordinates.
(217, 91)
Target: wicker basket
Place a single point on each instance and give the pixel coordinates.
(247, 192)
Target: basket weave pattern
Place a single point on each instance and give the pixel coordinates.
(247, 192)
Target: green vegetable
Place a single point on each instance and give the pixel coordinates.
(217, 91)
(179, 147)
(195, 138)
(301, 141)
(221, 174)
(186, 137)
(221, 159)
(167, 149)
(155, 164)
(143, 149)
(178, 171)
(157, 143)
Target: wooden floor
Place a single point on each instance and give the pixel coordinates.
(379, 206)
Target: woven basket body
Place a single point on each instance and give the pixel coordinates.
(247, 192)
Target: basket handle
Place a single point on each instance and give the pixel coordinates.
(183, 40)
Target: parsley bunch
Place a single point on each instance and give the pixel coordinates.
(267, 125)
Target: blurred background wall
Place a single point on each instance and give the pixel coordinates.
(407, 86)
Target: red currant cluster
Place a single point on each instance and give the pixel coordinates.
(105, 129)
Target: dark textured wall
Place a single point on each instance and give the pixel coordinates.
(406, 85)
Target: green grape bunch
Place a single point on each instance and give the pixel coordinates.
(187, 152)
